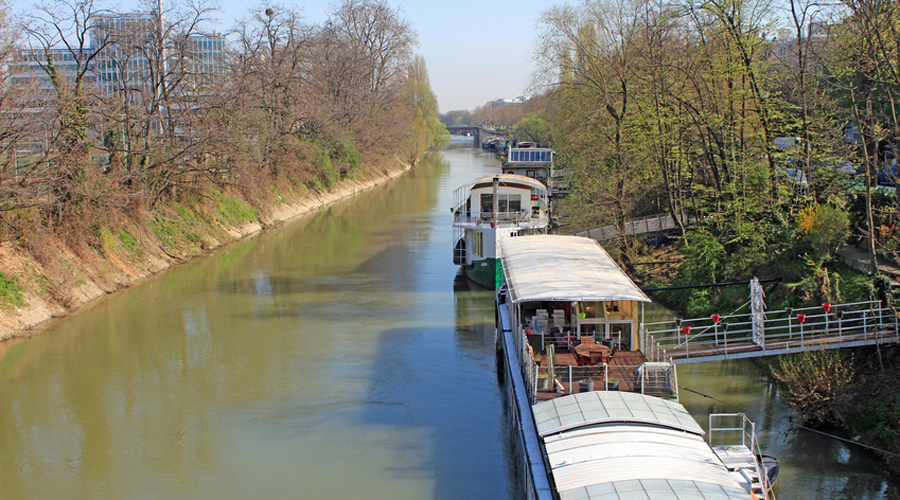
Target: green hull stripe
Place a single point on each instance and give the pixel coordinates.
(483, 272)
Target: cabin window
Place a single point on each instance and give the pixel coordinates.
(487, 203)
(478, 244)
(589, 310)
(510, 202)
(529, 173)
(505, 203)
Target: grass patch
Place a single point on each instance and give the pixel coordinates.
(166, 231)
(129, 242)
(188, 216)
(234, 211)
(11, 290)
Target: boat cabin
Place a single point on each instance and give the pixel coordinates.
(488, 209)
(502, 199)
(575, 315)
(567, 288)
(532, 162)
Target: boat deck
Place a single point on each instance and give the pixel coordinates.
(742, 465)
(622, 366)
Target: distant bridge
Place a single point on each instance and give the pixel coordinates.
(476, 130)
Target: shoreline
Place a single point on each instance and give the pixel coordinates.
(91, 278)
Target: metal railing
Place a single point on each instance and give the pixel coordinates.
(787, 330)
(631, 227)
(740, 424)
(656, 379)
(520, 217)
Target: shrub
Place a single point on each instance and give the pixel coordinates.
(704, 257)
(814, 381)
(823, 229)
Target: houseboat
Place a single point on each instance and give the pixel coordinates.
(529, 160)
(591, 416)
(490, 208)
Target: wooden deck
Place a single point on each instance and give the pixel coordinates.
(621, 366)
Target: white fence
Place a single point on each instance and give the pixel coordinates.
(829, 326)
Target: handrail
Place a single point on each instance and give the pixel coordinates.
(519, 217)
(831, 325)
(747, 429)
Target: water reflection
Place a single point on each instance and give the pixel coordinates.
(812, 466)
(279, 367)
(338, 346)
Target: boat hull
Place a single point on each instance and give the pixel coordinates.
(483, 272)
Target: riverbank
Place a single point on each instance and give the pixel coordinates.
(51, 278)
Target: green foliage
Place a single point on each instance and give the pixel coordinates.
(167, 231)
(186, 214)
(328, 173)
(354, 157)
(820, 285)
(823, 229)
(699, 304)
(704, 257)
(534, 128)
(11, 290)
(232, 210)
(883, 203)
(881, 422)
(129, 243)
(427, 131)
(812, 382)
(877, 288)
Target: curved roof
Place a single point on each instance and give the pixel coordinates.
(563, 268)
(507, 179)
(605, 445)
(598, 407)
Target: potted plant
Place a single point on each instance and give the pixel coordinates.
(612, 384)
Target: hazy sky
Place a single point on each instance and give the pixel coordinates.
(476, 51)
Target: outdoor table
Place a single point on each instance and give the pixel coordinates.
(595, 352)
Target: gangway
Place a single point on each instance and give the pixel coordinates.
(634, 227)
(773, 333)
(742, 456)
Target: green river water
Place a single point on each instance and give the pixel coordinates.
(330, 358)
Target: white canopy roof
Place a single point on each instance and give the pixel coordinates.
(614, 446)
(563, 268)
(506, 179)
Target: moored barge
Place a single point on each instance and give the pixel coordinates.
(488, 209)
(591, 417)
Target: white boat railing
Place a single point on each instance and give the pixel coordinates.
(522, 217)
(739, 424)
(787, 330)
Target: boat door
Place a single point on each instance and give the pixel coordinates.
(621, 332)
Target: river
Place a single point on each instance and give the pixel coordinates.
(332, 357)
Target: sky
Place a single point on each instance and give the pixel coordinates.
(476, 51)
